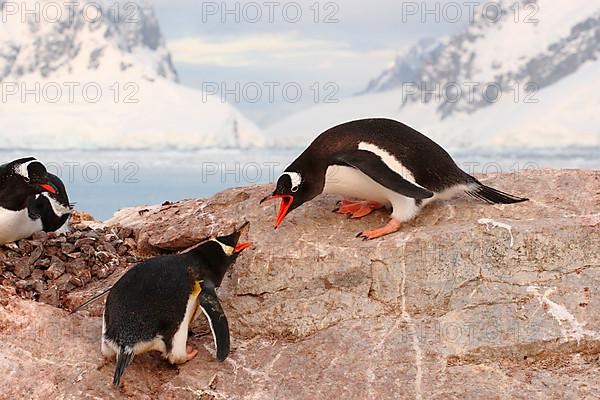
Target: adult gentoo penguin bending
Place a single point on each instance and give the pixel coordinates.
(31, 200)
(153, 304)
(382, 162)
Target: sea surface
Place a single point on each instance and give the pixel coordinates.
(102, 182)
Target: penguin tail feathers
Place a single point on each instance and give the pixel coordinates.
(124, 357)
(494, 196)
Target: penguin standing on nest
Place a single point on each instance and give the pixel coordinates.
(152, 305)
(385, 164)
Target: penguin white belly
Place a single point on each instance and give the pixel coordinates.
(351, 182)
(15, 225)
(178, 353)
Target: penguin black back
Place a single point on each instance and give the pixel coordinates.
(431, 166)
(152, 305)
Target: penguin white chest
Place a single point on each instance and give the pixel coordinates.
(351, 182)
(15, 225)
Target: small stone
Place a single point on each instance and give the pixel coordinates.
(53, 250)
(22, 269)
(103, 256)
(122, 250)
(101, 271)
(125, 233)
(76, 267)
(85, 241)
(38, 286)
(88, 250)
(35, 255)
(42, 263)
(57, 241)
(109, 237)
(50, 296)
(37, 275)
(67, 248)
(23, 284)
(41, 235)
(62, 282)
(110, 248)
(56, 269)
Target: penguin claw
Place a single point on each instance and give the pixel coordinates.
(362, 236)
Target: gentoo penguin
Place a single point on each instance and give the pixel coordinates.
(152, 305)
(26, 191)
(52, 209)
(385, 164)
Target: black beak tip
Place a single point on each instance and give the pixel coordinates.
(244, 225)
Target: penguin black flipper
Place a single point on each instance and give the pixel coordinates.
(210, 305)
(373, 166)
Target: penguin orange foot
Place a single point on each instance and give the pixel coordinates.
(391, 227)
(153, 304)
(358, 209)
(191, 352)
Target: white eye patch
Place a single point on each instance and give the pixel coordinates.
(226, 249)
(22, 169)
(296, 179)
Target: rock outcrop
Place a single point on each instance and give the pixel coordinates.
(466, 301)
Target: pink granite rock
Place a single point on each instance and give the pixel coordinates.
(467, 301)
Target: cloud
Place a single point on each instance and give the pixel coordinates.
(261, 49)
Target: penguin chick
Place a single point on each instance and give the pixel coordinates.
(152, 305)
(385, 164)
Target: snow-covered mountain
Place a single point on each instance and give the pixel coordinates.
(407, 66)
(511, 83)
(98, 74)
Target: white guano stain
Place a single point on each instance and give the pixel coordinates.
(569, 326)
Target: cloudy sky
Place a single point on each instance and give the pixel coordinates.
(327, 49)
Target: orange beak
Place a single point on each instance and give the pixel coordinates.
(286, 203)
(47, 188)
(241, 246)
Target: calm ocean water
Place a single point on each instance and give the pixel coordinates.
(101, 182)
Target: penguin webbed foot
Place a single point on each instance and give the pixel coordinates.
(191, 352)
(357, 209)
(391, 227)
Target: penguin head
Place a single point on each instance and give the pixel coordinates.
(32, 173)
(230, 244)
(293, 190)
(220, 253)
(59, 198)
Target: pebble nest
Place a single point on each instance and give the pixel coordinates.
(48, 266)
